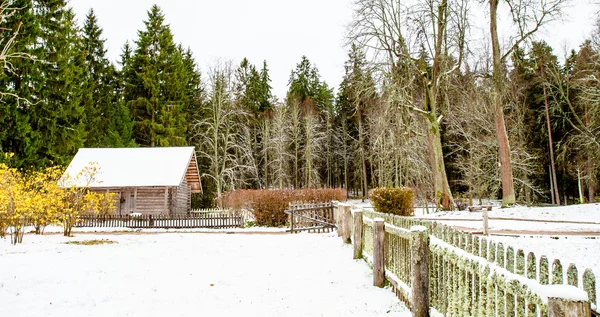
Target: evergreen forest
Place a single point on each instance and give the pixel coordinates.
(419, 105)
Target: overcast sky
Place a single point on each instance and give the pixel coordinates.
(278, 31)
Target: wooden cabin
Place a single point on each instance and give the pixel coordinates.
(150, 181)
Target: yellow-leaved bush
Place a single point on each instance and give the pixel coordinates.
(393, 200)
(41, 198)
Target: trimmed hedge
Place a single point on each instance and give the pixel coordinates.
(268, 206)
(396, 201)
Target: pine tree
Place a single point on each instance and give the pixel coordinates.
(252, 94)
(46, 120)
(308, 100)
(158, 83)
(20, 83)
(59, 116)
(358, 91)
(194, 94)
(108, 122)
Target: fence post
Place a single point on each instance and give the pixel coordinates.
(346, 223)
(337, 215)
(561, 307)
(419, 262)
(378, 252)
(485, 222)
(358, 226)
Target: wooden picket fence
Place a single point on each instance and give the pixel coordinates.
(460, 274)
(215, 221)
(311, 217)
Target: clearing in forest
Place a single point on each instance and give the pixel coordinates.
(182, 274)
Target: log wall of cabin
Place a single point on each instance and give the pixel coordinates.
(151, 200)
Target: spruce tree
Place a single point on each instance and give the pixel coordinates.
(107, 119)
(43, 114)
(157, 85)
(59, 118)
(19, 83)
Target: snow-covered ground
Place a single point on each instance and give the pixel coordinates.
(183, 274)
(588, 213)
(247, 230)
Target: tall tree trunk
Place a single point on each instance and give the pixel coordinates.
(345, 150)
(508, 190)
(590, 182)
(329, 164)
(441, 187)
(551, 144)
(589, 164)
(580, 186)
(552, 194)
(506, 173)
(363, 159)
(266, 139)
(443, 195)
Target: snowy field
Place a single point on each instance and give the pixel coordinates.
(187, 274)
(588, 213)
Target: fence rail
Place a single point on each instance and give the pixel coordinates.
(460, 274)
(218, 221)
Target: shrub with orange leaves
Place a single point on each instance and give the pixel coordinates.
(268, 206)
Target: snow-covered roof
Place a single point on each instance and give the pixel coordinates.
(130, 167)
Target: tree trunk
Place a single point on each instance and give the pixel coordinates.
(362, 156)
(553, 166)
(580, 186)
(266, 139)
(345, 149)
(508, 191)
(590, 164)
(443, 196)
(590, 181)
(552, 197)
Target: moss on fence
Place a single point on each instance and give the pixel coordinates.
(476, 285)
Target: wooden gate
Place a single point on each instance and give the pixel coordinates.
(311, 217)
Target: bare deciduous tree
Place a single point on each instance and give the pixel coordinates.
(403, 38)
(278, 147)
(311, 149)
(527, 16)
(217, 133)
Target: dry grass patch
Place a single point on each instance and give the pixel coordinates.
(92, 242)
